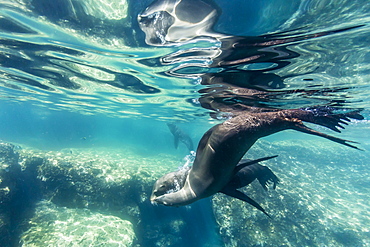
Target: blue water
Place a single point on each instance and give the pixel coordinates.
(82, 75)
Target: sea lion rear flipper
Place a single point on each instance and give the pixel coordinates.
(267, 176)
(241, 196)
(326, 116)
(188, 142)
(242, 164)
(176, 141)
(301, 127)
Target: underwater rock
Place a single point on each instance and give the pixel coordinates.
(7, 158)
(60, 226)
(316, 204)
(18, 192)
(322, 200)
(118, 182)
(110, 182)
(98, 179)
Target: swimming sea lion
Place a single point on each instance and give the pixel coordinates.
(245, 173)
(223, 146)
(180, 135)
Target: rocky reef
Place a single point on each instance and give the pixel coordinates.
(61, 226)
(321, 201)
(90, 197)
(19, 191)
(86, 197)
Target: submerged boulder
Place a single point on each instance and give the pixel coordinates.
(102, 195)
(7, 160)
(115, 183)
(99, 179)
(108, 182)
(321, 201)
(61, 226)
(18, 192)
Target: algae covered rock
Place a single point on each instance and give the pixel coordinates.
(60, 226)
(113, 182)
(95, 196)
(99, 178)
(8, 158)
(321, 200)
(14, 194)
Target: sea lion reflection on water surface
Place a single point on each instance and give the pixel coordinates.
(223, 146)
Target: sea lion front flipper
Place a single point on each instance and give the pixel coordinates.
(242, 164)
(241, 196)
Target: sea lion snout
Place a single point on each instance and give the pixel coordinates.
(152, 197)
(153, 202)
(159, 200)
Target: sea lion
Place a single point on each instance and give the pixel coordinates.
(245, 173)
(180, 135)
(222, 147)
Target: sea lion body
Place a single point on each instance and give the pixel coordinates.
(224, 145)
(219, 151)
(245, 173)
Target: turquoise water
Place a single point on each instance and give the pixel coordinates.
(85, 96)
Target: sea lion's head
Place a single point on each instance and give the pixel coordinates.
(169, 183)
(179, 198)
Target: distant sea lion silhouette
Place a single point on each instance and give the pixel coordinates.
(244, 173)
(223, 146)
(180, 135)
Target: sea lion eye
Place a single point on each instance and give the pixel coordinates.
(162, 186)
